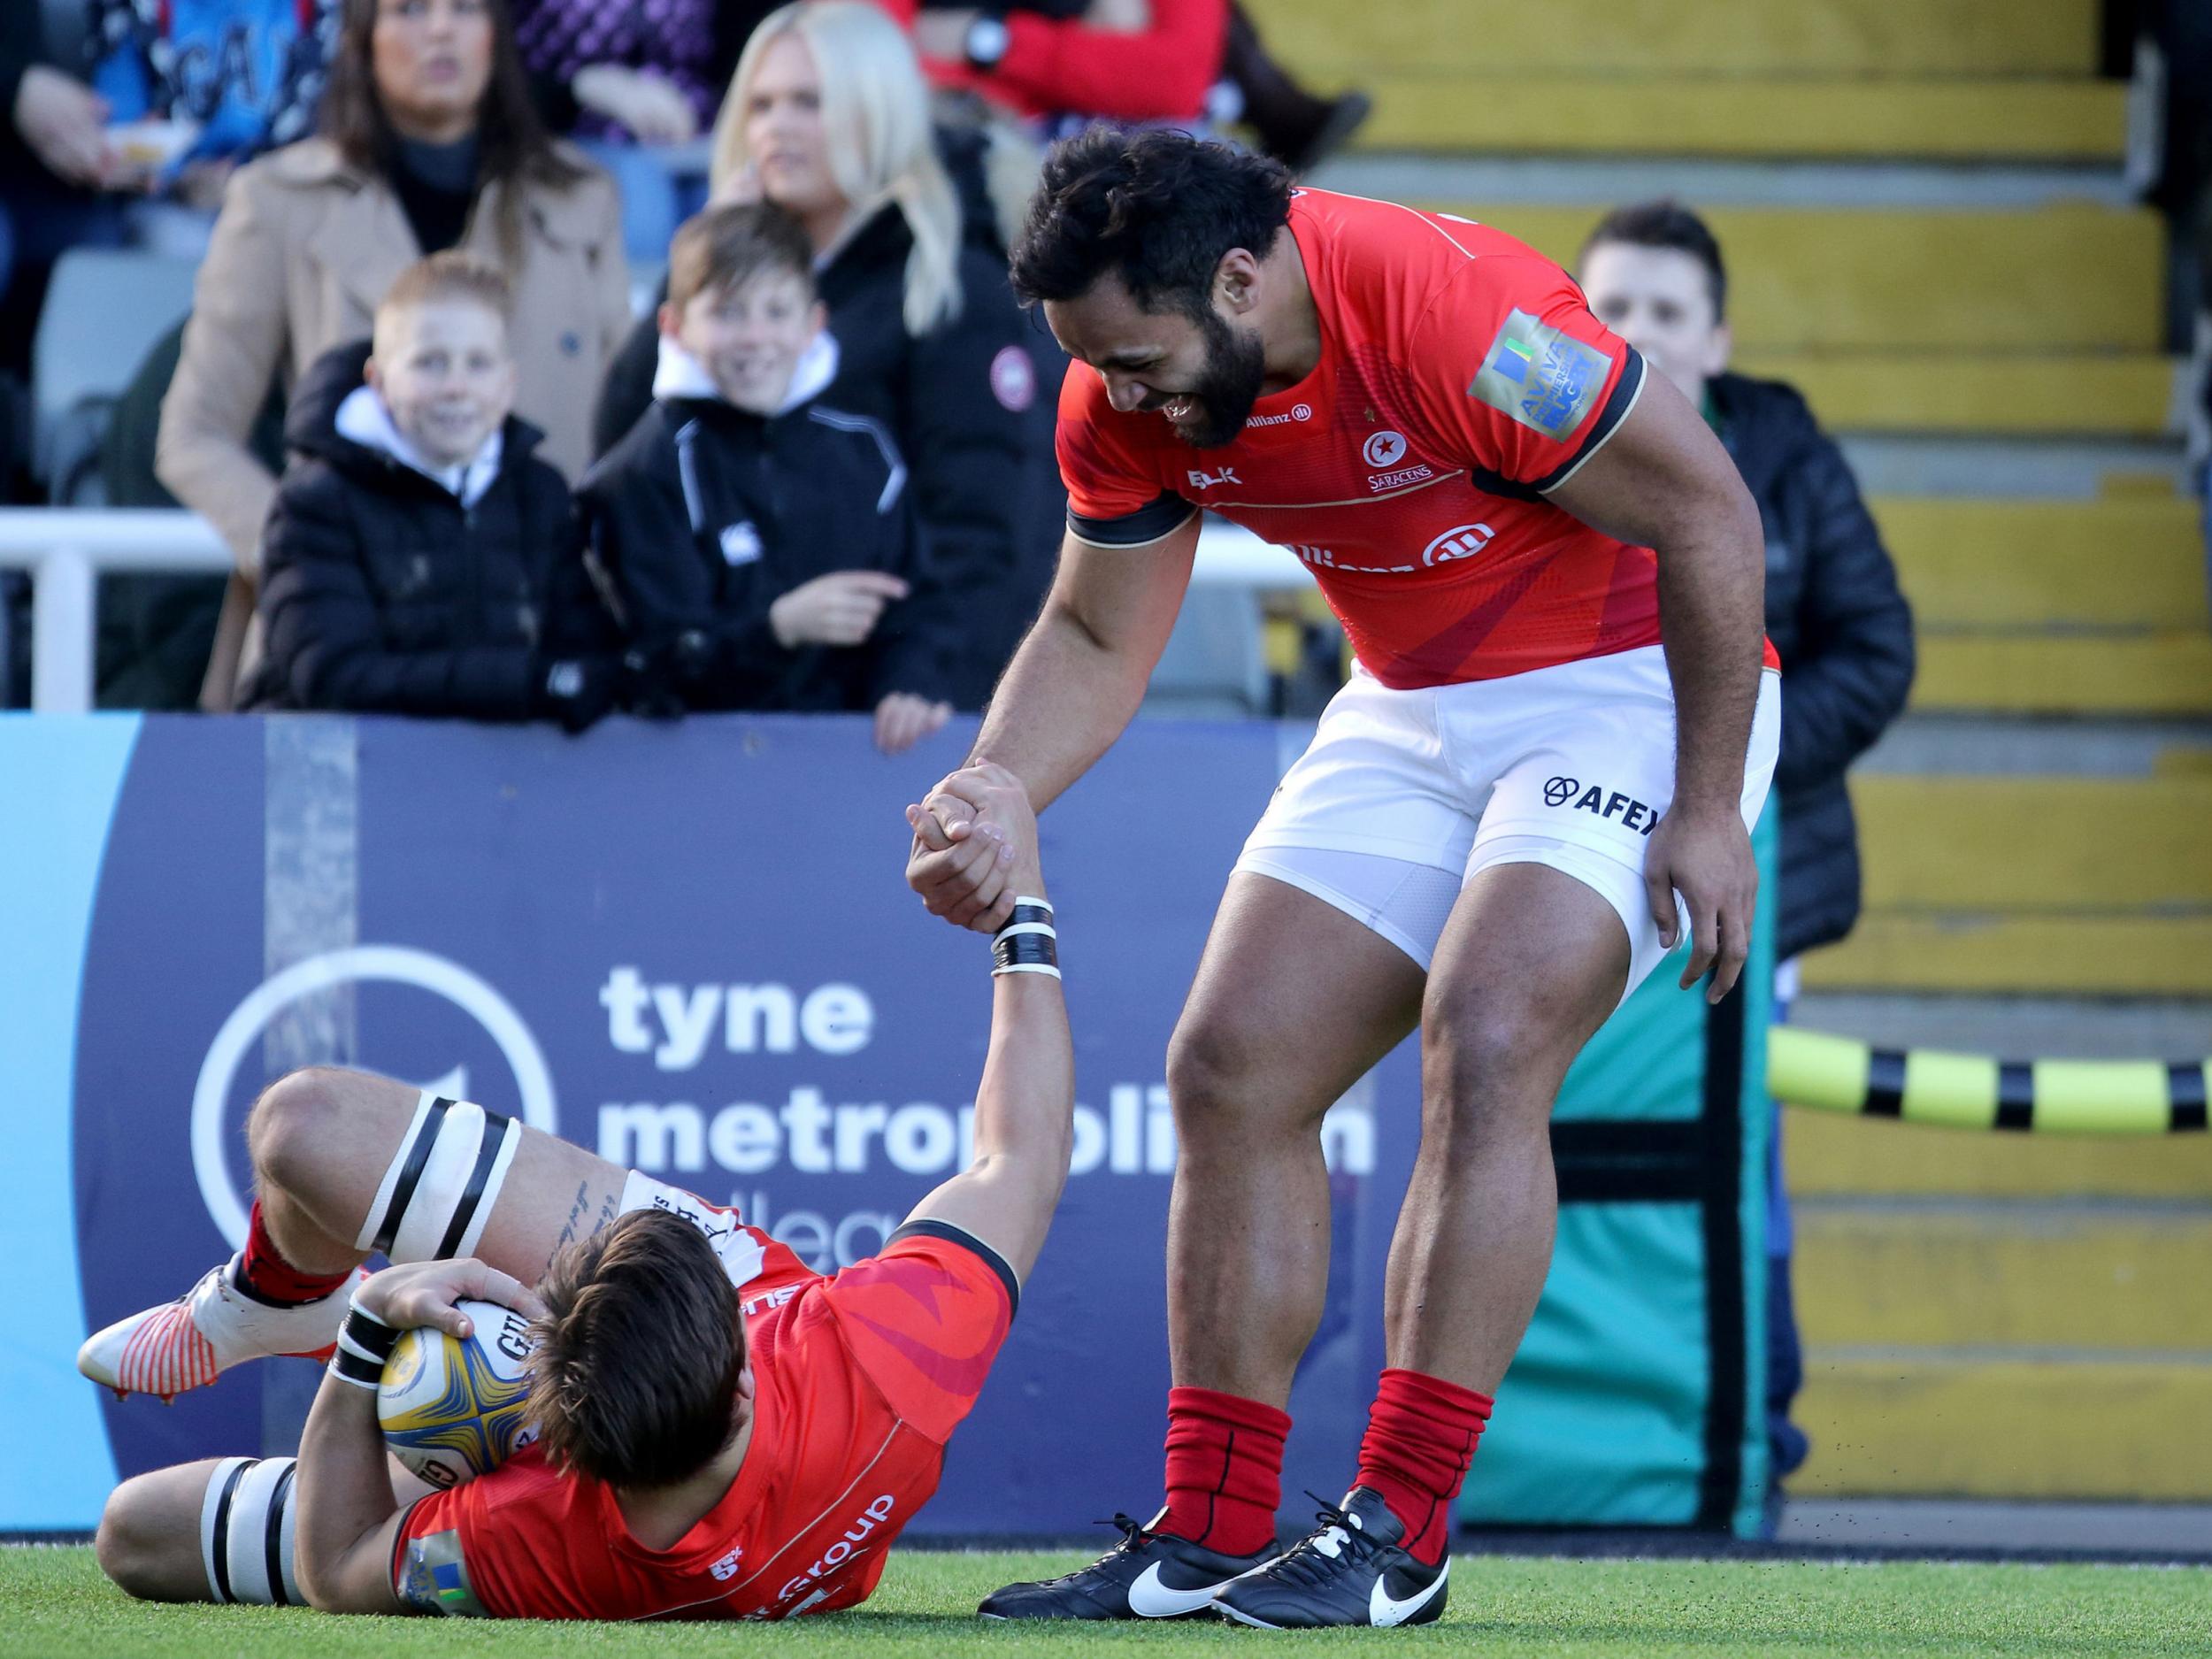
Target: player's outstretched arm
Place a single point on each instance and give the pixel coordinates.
(1025, 1104)
(1071, 688)
(1664, 481)
(349, 1520)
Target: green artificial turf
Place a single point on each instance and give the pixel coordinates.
(55, 1602)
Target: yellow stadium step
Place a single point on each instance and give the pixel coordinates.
(1331, 42)
(2110, 396)
(2029, 844)
(2035, 1276)
(1502, 112)
(1919, 287)
(1824, 1156)
(2033, 1426)
(2165, 673)
(2126, 562)
(2096, 956)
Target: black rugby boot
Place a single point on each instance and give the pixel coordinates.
(1350, 1570)
(1148, 1575)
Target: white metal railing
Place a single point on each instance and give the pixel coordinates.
(66, 550)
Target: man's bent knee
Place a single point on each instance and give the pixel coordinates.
(147, 1544)
(1488, 1073)
(289, 1125)
(1222, 1084)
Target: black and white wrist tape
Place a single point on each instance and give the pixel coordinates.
(365, 1342)
(1028, 943)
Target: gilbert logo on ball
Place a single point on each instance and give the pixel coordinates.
(452, 1407)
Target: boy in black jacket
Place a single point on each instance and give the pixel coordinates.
(418, 558)
(760, 547)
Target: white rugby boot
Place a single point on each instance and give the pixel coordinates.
(189, 1342)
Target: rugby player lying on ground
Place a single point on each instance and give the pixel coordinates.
(723, 1433)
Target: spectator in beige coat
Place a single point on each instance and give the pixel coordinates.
(428, 142)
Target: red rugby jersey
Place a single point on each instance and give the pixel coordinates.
(861, 1378)
(1461, 377)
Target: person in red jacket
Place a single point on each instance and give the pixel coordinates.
(1122, 60)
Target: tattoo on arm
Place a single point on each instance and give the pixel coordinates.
(576, 1210)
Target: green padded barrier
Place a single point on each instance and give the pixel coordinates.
(1638, 1399)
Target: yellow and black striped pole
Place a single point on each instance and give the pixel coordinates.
(1964, 1091)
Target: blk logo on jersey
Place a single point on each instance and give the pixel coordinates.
(1599, 802)
(1207, 481)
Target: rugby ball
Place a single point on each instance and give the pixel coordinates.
(452, 1407)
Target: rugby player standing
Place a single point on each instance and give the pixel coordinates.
(1562, 720)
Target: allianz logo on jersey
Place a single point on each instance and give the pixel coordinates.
(1460, 541)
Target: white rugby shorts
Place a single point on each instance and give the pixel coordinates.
(1402, 796)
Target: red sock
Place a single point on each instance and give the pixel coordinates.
(265, 1275)
(1225, 1470)
(1420, 1438)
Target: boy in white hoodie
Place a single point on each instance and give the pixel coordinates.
(758, 542)
(420, 558)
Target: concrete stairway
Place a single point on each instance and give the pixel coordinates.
(1927, 232)
(1819, 78)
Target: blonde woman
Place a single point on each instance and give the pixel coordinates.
(828, 118)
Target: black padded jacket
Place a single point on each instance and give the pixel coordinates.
(1845, 635)
(381, 593)
(704, 515)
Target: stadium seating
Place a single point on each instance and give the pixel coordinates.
(1955, 78)
(104, 312)
(1213, 666)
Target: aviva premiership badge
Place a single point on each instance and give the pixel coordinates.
(1544, 378)
(435, 1579)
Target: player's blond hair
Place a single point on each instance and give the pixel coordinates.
(875, 120)
(451, 275)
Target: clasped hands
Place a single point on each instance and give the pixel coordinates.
(975, 848)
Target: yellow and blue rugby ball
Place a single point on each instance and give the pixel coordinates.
(454, 1407)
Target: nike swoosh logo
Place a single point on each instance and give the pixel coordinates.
(1149, 1598)
(1383, 1608)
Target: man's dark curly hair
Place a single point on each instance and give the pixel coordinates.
(1158, 209)
(1667, 224)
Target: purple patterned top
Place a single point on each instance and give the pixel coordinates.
(673, 38)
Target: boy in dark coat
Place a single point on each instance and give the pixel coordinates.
(418, 558)
(759, 545)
